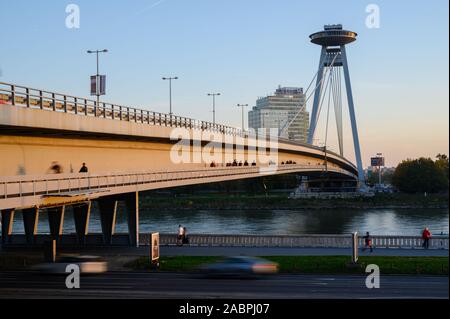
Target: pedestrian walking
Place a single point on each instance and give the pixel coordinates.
(55, 168)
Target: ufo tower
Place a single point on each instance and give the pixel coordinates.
(333, 40)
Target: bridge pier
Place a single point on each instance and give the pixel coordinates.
(81, 214)
(132, 204)
(56, 222)
(30, 223)
(108, 214)
(7, 225)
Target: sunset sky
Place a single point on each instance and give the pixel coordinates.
(243, 49)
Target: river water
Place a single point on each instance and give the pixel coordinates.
(271, 222)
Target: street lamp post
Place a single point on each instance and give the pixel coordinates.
(98, 72)
(242, 106)
(170, 91)
(214, 105)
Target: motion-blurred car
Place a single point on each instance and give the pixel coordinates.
(87, 265)
(240, 266)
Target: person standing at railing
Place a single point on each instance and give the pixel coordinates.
(180, 236)
(185, 237)
(84, 168)
(368, 242)
(426, 235)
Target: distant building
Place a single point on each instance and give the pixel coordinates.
(276, 111)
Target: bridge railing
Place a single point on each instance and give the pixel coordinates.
(40, 99)
(307, 240)
(21, 186)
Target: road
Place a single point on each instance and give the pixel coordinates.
(176, 285)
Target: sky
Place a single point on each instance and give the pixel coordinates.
(243, 49)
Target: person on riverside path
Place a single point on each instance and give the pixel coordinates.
(185, 236)
(426, 235)
(368, 242)
(180, 237)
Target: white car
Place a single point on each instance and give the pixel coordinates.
(87, 265)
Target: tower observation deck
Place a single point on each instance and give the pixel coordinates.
(333, 35)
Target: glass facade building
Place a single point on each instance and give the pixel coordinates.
(276, 111)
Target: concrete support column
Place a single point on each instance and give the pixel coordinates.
(30, 223)
(81, 214)
(132, 204)
(108, 214)
(56, 221)
(7, 225)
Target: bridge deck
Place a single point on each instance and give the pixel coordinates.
(53, 190)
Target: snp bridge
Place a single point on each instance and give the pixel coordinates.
(127, 151)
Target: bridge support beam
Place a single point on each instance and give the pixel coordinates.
(56, 221)
(7, 225)
(108, 213)
(132, 204)
(81, 214)
(30, 223)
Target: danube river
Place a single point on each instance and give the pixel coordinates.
(284, 222)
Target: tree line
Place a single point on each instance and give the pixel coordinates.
(422, 175)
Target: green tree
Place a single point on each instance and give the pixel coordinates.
(442, 163)
(419, 176)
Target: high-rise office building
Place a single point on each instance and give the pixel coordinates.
(280, 109)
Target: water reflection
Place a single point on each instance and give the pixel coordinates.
(284, 222)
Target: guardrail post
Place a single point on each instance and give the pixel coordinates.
(53, 102)
(65, 104)
(13, 94)
(85, 107)
(41, 100)
(76, 105)
(27, 90)
(355, 247)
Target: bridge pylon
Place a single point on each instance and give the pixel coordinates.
(333, 57)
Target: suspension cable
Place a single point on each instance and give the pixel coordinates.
(307, 99)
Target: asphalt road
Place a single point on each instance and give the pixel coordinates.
(176, 285)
